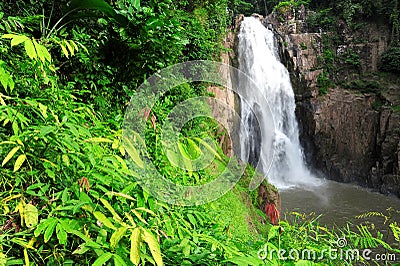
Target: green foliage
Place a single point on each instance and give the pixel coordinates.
(390, 60)
(67, 195)
(322, 20)
(363, 85)
(324, 83)
(350, 57)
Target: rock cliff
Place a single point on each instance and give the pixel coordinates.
(350, 131)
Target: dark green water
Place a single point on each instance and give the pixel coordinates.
(337, 202)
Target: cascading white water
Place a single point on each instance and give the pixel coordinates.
(270, 124)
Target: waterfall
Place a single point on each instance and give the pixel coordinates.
(268, 110)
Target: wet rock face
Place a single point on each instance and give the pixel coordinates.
(349, 141)
(348, 135)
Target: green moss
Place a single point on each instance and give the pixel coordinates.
(238, 210)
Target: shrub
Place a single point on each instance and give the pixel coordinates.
(390, 60)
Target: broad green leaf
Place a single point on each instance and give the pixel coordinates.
(50, 229)
(10, 155)
(42, 226)
(30, 49)
(39, 51)
(46, 130)
(61, 234)
(135, 246)
(15, 128)
(185, 158)
(173, 157)
(82, 249)
(273, 232)
(18, 39)
(192, 146)
(116, 237)
(6, 81)
(192, 219)
(3, 259)
(154, 246)
(104, 220)
(9, 36)
(31, 215)
(18, 163)
(103, 259)
(98, 5)
(45, 52)
(136, 4)
(118, 261)
(131, 150)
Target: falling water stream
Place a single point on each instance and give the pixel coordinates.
(269, 121)
(271, 124)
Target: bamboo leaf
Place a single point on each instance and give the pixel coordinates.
(98, 140)
(154, 246)
(209, 148)
(135, 246)
(145, 210)
(18, 163)
(194, 148)
(118, 261)
(64, 50)
(130, 218)
(116, 237)
(111, 209)
(30, 49)
(70, 48)
(10, 155)
(102, 259)
(104, 220)
(185, 158)
(131, 150)
(26, 257)
(72, 43)
(122, 195)
(139, 216)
